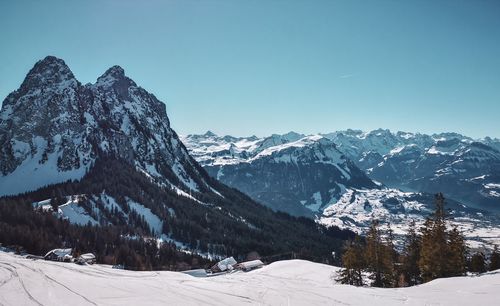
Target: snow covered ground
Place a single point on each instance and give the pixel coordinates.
(356, 209)
(292, 282)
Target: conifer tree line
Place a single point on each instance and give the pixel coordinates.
(431, 252)
(211, 225)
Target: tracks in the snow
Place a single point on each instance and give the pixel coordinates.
(53, 280)
(14, 275)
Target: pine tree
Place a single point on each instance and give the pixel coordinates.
(353, 263)
(477, 263)
(411, 256)
(494, 260)
(378, 258)
(457, 253)
(54, 204)
(392, 256)
(434, 250)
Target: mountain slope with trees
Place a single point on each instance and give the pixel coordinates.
(106, 153)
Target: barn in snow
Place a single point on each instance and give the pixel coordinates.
(59, 255)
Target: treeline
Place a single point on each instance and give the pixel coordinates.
(432, 252)
(231, 225)
(36, 232)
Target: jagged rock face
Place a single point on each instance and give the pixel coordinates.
(53, 128)
(292, 173)
(36, 117)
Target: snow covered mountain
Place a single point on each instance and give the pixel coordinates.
(105, 154)
(53, 128)
(311, 176)
(464, 169)
(294, 173)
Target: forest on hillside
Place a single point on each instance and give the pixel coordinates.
(231, 225)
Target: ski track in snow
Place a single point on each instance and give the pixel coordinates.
(291, 282)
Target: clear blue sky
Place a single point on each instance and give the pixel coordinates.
(262, 67)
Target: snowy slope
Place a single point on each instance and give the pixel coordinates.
(294, 282)
(94, 209)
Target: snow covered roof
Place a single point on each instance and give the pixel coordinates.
(59, 252)
(87, 256)
(251, 264)
(226, 263)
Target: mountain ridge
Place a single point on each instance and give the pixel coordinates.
(412, 161)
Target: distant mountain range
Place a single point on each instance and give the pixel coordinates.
(349, 178)
(466, 170)
(292, 172)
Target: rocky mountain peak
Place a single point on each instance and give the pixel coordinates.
(48, 73)
(57, 128)
(115, 77)
(209, 134)
(116, 73)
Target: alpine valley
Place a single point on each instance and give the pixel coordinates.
(104, 160)
(97, 167)
(349, 178)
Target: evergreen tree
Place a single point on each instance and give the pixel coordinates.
(353, 263)
(392, 256)
(494, 260)
(477, 263)
(457, 250)
(411, 256)
(54, 203)
(434, 250)
(378, 258)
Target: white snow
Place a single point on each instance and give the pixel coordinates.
(494, 193)
(210, 149)
(396, 150)
(356, 209)
(153, 221)
(295, 144)
(76, 214)
(292, 282)
(179, 171)
(31, 174)
(492, 186)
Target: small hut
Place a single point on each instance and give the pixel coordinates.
(87, 258)
(59, 255)
(224, 265)
(249, 265)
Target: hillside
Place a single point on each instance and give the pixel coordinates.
(293, 282)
